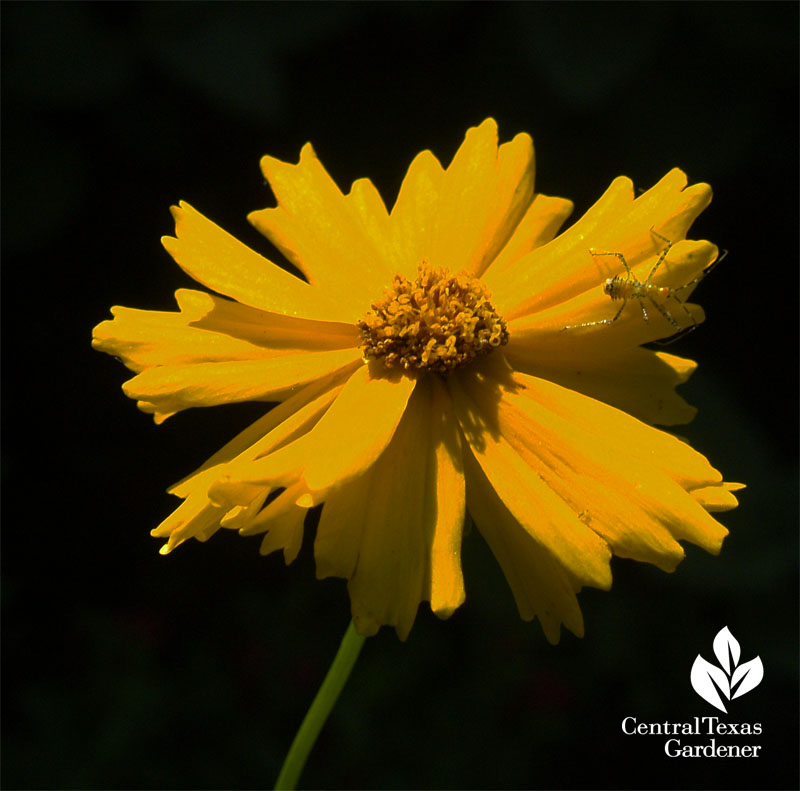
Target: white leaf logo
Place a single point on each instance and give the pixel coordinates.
(726, 648)
(748, 676)
(704, 674)
(731, 679)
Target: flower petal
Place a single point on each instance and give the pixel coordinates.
(388, 581)
(241, 516)
(146, 338)
(335, 241)
(195, 517)
(395, 531)
(666, 315)
(270, 330)
(717, 498)
(539, 583)
(167, 389)
(539, 225)
(198, 517)
(626, 480)
(638, 381)
(632, 506)
(356, 429)
(637, 229)
(283, 522)
(347, 440)
(212, 329)
(286, 533)
(444, 512)
(366, 203)
(414, 215)
(341, 526)
(220, 261)
(540, 511)
(539, 279)
(279, 426)
(669, 207)
(620, 433)
(275, 461)
(483, 196)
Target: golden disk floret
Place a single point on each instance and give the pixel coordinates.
(435, 323)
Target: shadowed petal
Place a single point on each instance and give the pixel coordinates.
(538, 581)
(639, 381)
(578, 444)
(348, 439)
(388, 581)
(212, 329)
(635, 507)
(540, 511)
(395, 531)
(280, 425)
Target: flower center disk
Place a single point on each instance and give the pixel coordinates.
(435, 323)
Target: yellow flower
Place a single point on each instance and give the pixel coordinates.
(423, 371)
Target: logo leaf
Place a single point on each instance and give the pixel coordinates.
(703, 677)
(726, 647)
(748, 676)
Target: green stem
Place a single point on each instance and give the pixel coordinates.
(320, 709)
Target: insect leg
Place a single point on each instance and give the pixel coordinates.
(659, 262)
(596, 323)
(660, 236)
(683, 330)
(686, 311)
(667, 315)
(662, 256)
(616, 255)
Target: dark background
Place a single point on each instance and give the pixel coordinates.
(124, 669)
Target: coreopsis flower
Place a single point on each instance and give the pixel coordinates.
(451, 355)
